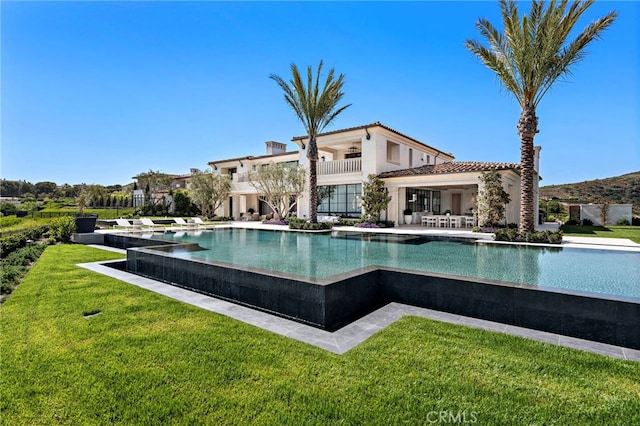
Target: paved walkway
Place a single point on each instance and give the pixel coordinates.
(353, 334)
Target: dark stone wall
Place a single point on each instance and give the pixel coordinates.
(333, 303)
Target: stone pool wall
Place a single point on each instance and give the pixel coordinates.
(334, 302)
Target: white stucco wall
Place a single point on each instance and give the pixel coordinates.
(616, 212)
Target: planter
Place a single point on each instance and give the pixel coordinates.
(85, 224)
(408, 219)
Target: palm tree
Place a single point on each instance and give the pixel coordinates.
(315, 110)
(528, 58)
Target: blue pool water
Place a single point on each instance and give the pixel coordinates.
(321, 256)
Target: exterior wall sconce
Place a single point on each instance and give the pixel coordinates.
(215, 167)
(367, 132)
(240, 161)
(322, 158)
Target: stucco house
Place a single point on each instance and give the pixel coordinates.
(418, 176)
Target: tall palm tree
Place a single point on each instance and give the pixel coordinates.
(315, 109)
(528, 58)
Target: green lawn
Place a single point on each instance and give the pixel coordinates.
(147, 359)
(630, 232)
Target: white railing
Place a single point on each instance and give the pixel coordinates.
(350, 165)
(240, 177)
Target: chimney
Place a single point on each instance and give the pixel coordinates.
(274, 148)
(536, 158)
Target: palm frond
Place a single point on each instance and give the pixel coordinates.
(533, 51)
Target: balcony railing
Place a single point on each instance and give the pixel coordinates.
(350, 165)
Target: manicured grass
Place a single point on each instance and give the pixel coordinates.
(630, 232)
(147, 359)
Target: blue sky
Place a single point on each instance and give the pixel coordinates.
(97, 92)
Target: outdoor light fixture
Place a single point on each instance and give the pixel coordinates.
(368, 135)
(240, 161)
(215, 167)
(352, 149)
(322, 158)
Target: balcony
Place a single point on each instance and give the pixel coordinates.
(336, 167)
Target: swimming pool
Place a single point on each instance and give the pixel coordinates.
(320, 256)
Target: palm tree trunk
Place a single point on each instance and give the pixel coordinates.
(312, 154)
(527, 129)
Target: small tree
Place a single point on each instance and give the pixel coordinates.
(154, 183)
(604, 211)
(209, 191)
(492, 199)
(279, 186)
(183, 202)
(375, 198)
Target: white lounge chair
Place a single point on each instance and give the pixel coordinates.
(201, 224)
(180, 222)
(148, 223)
(124, 223)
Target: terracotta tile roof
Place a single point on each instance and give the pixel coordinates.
(252, 157)
(451, 167)
(376, 124)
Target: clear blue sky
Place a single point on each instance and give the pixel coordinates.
(97, 92)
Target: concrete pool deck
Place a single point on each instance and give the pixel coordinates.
(353, 334)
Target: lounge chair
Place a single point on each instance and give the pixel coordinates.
(180, 222)
(124, 223)
(148, 223)
(201, 224)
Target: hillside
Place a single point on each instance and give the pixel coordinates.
(623, 189)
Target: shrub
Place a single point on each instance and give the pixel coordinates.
(476, 229)
(407, 212)
(507, 234)
(14, 266)
(62, 228)
(548, 237)
(8, 209)
(623, 222)
(298, 223)
(9, 277)
(386, 223)
(367, 225)
(348, 222)
(635, 221)
(587, 222)
(571, 222)
(18, 239)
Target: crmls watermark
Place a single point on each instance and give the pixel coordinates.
(453, 417)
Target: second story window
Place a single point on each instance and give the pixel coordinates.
(393, 152)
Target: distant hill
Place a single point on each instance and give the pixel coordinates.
(623, 189)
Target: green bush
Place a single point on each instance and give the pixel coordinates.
(12, 241)
(512, 235)
(10, 275)
(386, 223)
(14, 266)
(62, 228)
(348, 222)
(297, 223)
(571, 222)
(587, 222)
(623, 222)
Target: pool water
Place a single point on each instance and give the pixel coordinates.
(323, 255)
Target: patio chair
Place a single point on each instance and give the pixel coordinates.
(455, 221)
(124, 223)
(469, 221)
(148, 223)
(430, 221)
(200, 223)
(443, 221)
(180, 222)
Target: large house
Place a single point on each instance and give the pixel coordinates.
(418, 176)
